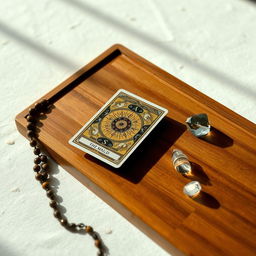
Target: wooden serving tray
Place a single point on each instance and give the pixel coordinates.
(146, 190)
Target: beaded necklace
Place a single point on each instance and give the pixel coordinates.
(43, 175)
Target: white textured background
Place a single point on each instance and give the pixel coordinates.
(211, 45)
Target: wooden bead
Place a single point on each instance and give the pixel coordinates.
(57, 214)
(46, 185)
(36, 168)
(38, 107)
(43, 158)
(38, 176)
(30, 133)
(33, 143)
(30, 126)
(63, 222)
(32, 111)
(72, 225)
(44, 176)
(50, 194)
(30, 118)
(88, 229)
(37, 151)
(44, 103)
(37, 160)
(45, 166)
(97, 243)
(53, 204)
(94, 235)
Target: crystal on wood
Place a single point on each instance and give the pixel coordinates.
(180, 162)
(198, 125)
(192, 189)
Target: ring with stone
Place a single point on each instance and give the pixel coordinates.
(192, 189)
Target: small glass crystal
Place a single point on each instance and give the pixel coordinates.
(198, 125)
(180, 162)
(192, 189)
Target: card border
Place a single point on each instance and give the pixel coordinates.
(165, 111)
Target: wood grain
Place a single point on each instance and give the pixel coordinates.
(146, 190)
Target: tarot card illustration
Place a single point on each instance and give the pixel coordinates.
(118, 128)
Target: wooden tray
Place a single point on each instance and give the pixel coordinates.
(147, 191)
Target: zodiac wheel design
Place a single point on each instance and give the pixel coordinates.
(121, 125)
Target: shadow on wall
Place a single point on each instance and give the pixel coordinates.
(253, 1)
(58, 59)
(146, 38)
(6, 251)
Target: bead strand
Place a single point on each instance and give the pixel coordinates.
(41, 168)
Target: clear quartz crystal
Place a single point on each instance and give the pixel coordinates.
(192, 189)
(180, 162)
(198, 125)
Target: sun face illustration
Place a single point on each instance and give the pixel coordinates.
(121, 125)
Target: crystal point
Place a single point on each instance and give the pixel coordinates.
(198, 125)
(192, 189)
(180, 162)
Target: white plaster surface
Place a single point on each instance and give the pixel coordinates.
(211, 45)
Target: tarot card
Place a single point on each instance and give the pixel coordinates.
(118, 128)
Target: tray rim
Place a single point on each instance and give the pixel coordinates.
(119, 49)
